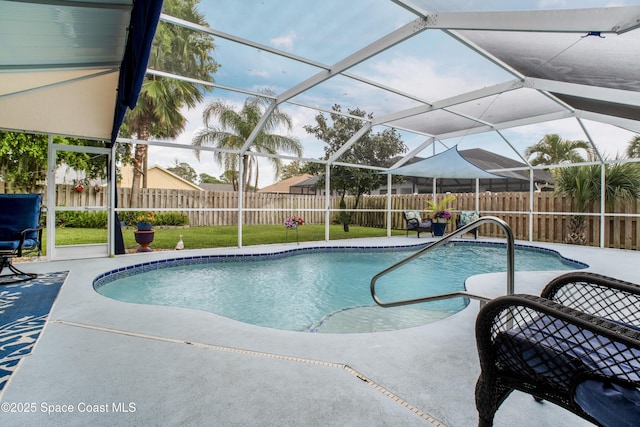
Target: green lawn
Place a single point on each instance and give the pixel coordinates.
(223, 236)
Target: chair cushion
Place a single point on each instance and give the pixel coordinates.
(609, 403)
(17, 213)
(562, 353)
(467, 217)
(12, 245)
(412, 215)
(550, 348)
(9, 245)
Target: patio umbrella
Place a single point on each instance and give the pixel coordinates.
(449, 164)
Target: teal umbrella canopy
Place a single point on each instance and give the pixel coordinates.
(449, 164)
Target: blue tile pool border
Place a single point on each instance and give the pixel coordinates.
(131, 270)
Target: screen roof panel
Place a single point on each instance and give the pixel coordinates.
(324, 31)
(399, 61)
(256, 69)
(604, 61)
(440, 6)
(630, 112)
(431, 66)
(435, 123)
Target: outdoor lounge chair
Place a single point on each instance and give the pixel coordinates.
(20, 232)
(415, 223)
(465, 218)
(578, 346)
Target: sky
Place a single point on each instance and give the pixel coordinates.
(431, 66)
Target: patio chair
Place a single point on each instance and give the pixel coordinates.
(415, 223)
(20, 232)
(578, 346)
(467, 217)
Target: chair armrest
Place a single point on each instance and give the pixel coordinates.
(23, 235)
(596, 294)
(27, 230)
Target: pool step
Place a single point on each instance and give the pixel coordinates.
(373, 318)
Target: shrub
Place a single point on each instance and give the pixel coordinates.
(74, 219)
(171, 218)
(130, 218)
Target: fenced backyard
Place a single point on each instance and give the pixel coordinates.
(209, 208)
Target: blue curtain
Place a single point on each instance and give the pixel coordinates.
(142, 28)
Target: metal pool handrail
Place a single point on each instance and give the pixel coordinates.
(465, 229)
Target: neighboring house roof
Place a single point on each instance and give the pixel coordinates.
(310, 182)
(217, 187)
(284, 185)
(157, 177)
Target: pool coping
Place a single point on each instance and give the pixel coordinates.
(112, 275)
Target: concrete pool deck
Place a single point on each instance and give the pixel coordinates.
(116, 363)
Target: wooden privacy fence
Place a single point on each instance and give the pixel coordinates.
(550, 216)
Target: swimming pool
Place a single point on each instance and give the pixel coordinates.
(320, 289)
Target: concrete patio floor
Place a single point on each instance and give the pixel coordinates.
(115, 364)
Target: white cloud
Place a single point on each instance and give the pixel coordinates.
(259, 73)
(420, 77)
(285, 42)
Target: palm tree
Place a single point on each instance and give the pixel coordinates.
(582, 184)
(175, 50)
(633, 150)
(236, 127)
(552, 150)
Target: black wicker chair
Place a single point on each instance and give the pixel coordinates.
(466, 217)
(577, 346)
(416, 223)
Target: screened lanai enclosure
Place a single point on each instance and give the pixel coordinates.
(492, 75)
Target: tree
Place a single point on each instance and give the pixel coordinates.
(292, 169)
(184, 171)
(176, 50)
(552, 150)
(633, 149)
(205, 178)
(230, 177)
(582, 184)
(23, 159)
(234, 130)
(374, 149)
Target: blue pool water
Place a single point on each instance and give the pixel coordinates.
(327, 290)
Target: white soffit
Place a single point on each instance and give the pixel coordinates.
(82, 108)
